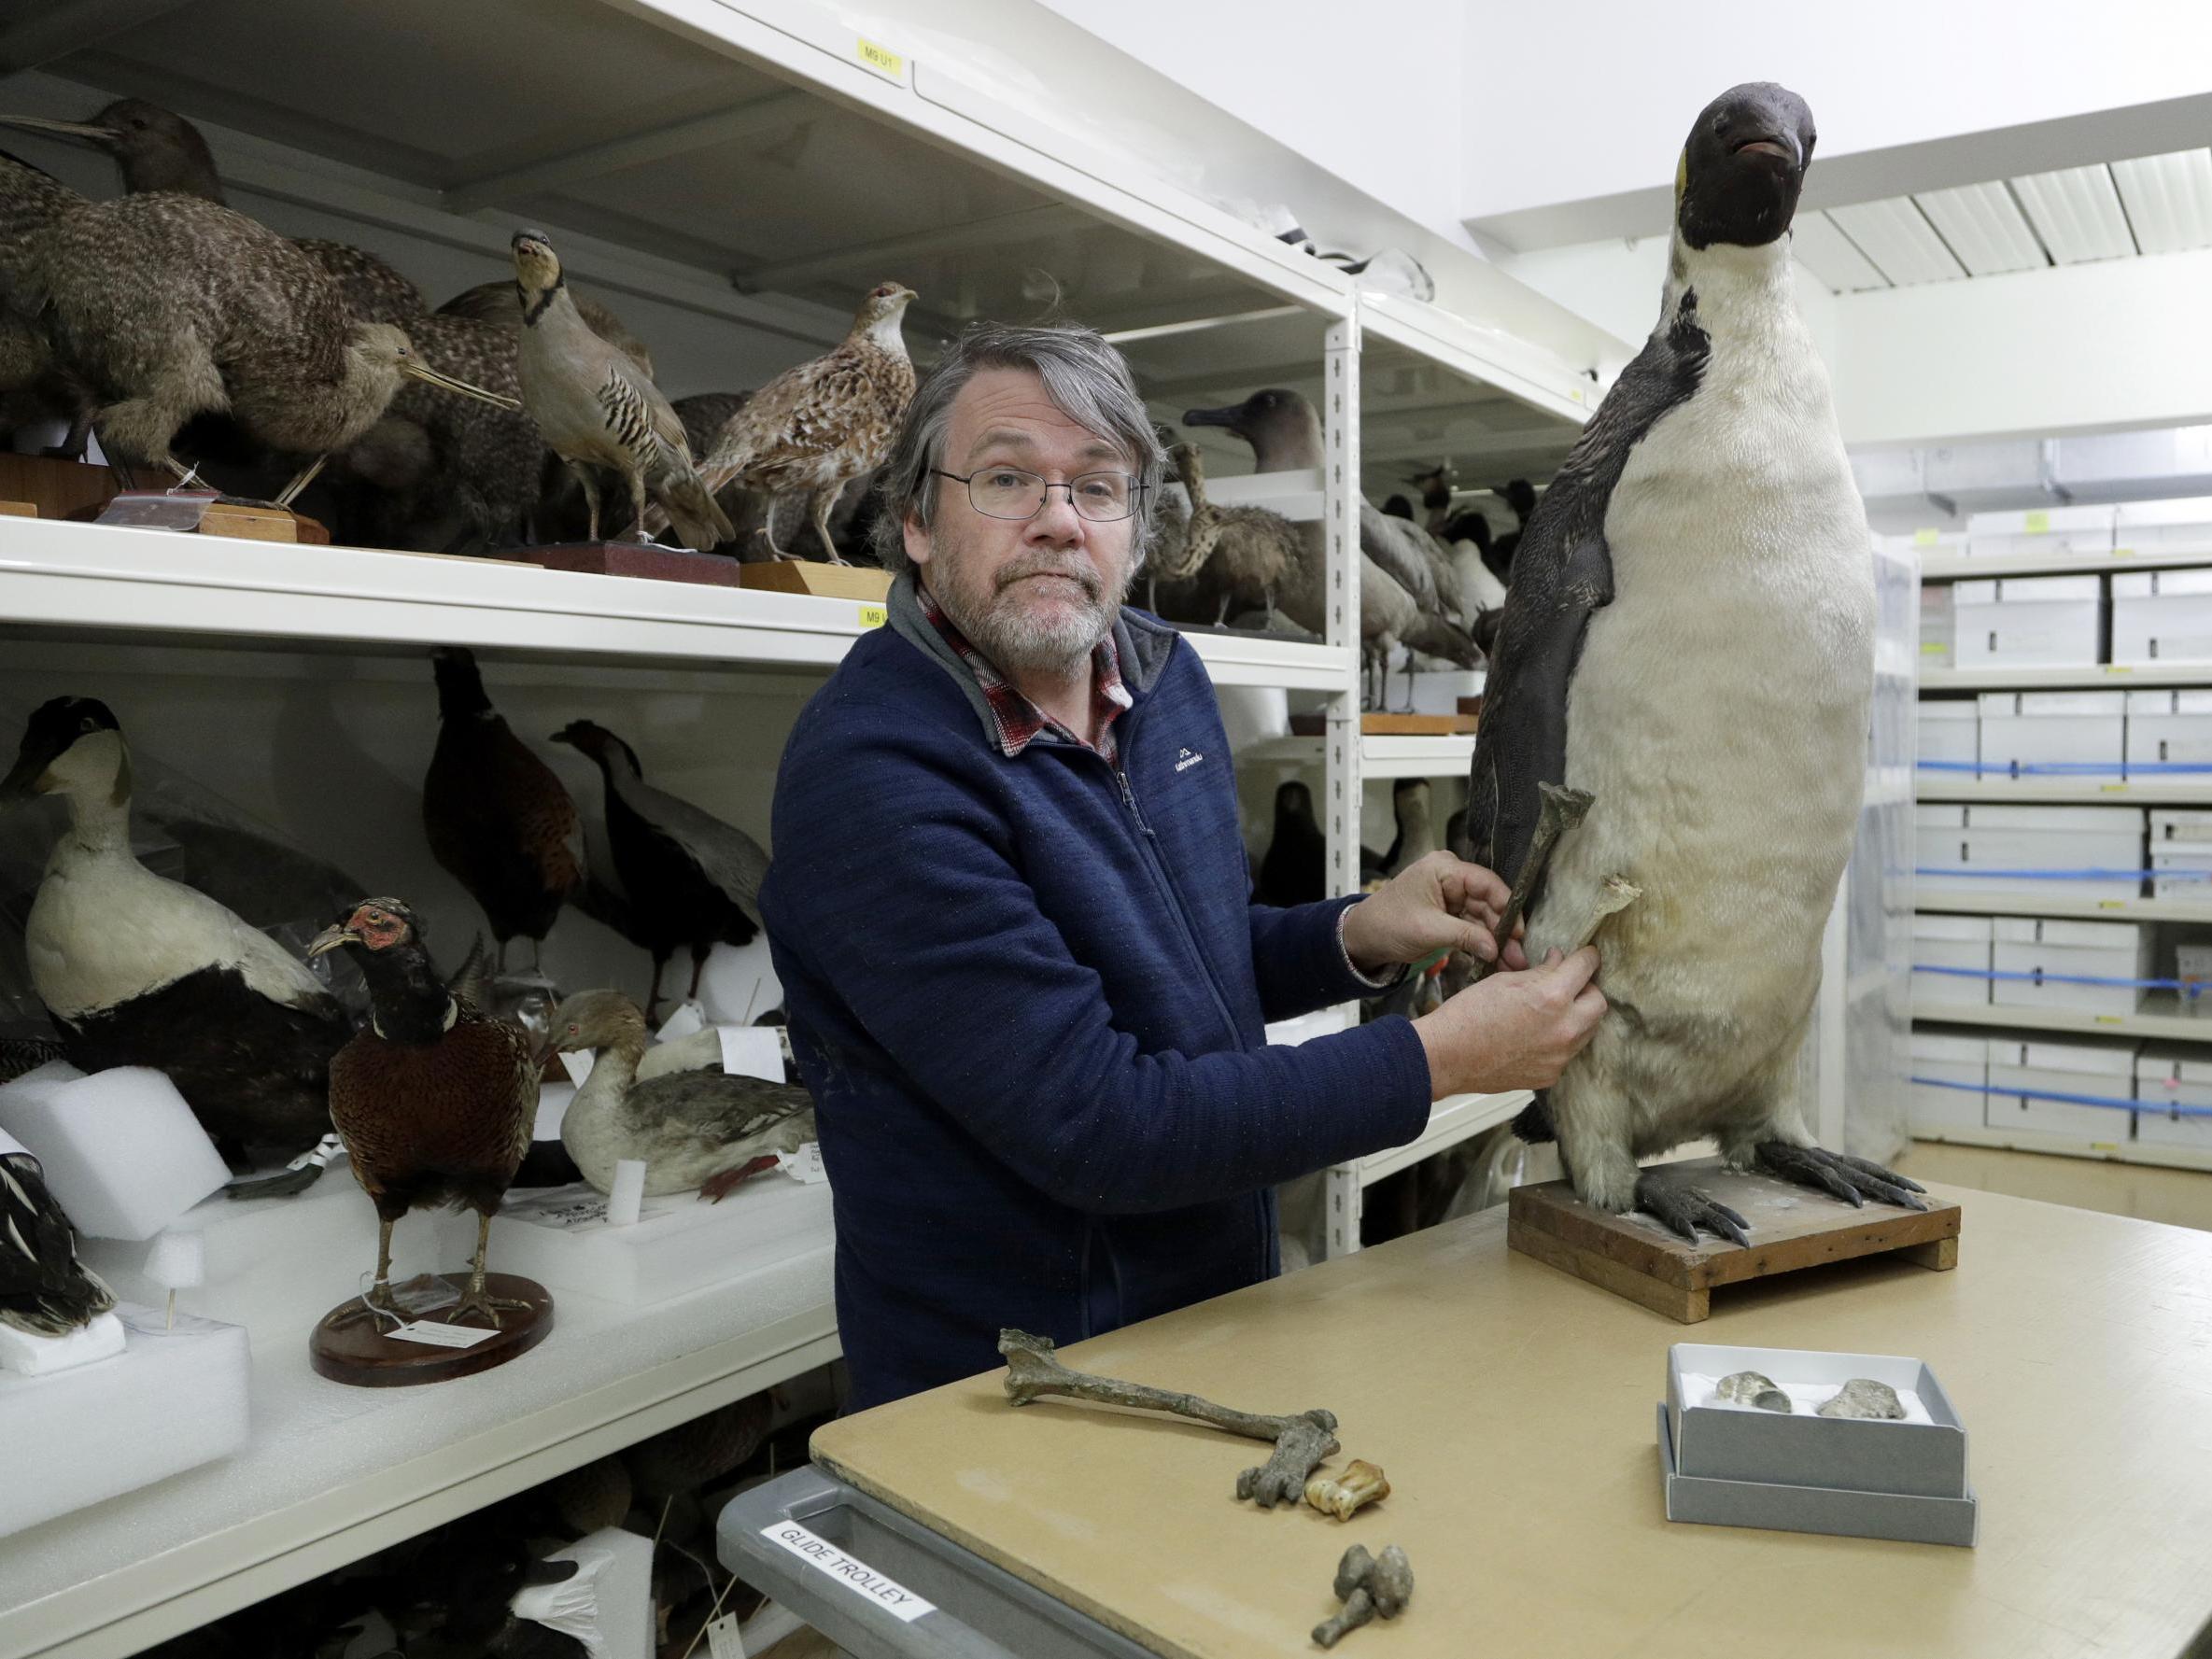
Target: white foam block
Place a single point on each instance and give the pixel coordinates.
(608, 1605)
(122, 1152)
(31, 1356)
(553, 1105)
(170, 1401)
(560, 1236)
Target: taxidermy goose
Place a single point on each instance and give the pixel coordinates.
(703, 1130)
(44, 1290)
(137, 970)
(1708, 503)
(1237, 556)
(690, 879)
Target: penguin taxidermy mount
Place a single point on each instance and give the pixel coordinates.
(1690, 639)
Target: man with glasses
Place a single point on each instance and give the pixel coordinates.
(1010, 910)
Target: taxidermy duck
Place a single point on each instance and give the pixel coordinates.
(1709, 502)
(435, 1101)
(44, 1290)
(137, 970)
(704, 1129)
(1237, 556)
(690, 879)
(497, 817)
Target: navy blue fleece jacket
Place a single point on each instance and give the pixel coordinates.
(1027, 995)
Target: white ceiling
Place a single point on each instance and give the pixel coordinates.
(2151, 205)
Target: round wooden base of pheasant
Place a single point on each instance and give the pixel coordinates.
(362, 1353)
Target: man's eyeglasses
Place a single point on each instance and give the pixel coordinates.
(1008, 492)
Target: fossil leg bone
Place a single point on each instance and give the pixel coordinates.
(1562, 809)
(1034, 1371)
(1360, 1483)
(1369, 1587)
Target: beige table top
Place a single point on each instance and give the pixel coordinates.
(1513, 1408)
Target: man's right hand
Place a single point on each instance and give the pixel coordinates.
(1514, 1029)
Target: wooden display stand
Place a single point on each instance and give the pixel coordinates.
(639, 558)
(1791, 1227)
(863, 583)
(360, 1356)
(244, 520)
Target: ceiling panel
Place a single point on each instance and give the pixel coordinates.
(1831, 256)
(2077, 214)
(2168, 199)
(1897, 237)
(1984, 228)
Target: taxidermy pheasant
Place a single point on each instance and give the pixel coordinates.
(137, 970)
(690, 879)
(816, 427)
(435, 1101)
(496, 815)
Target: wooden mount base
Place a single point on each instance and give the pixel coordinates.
(358, 1354)
(1791, 1227)
(864, 583)
(638, 558)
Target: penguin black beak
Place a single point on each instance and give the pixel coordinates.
(1779, 144)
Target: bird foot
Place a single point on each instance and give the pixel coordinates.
(377, 1303)
(720, 1185)
(1681, 1208)
(482, 1303)
(1854, 1180)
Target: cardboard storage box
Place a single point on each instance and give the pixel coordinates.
(1952, 842)
(2054, 735)
(2182, 853)
(2056, 531)
(1950, 733)
(2182, 526)
(2030, 622)
(1950, 942)
(2072, 951)
(1939, 1059)
(2162, 616)
(2168, 729)
(1939, 626)
(1736, 1465)
(2103, 1070)
(2170, 1077)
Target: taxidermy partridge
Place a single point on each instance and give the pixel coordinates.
(435, 1101)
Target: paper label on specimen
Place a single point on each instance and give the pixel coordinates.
(724, 1640)
(436, 1335)
(426, 1293)
(803, 1166)
(568, 1208)
(752, 1051)
(856, 1576)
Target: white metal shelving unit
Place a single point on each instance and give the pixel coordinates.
(2161, 1017)
(667, 144)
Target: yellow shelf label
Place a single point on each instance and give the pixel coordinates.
(2114, 788)
(2112, 1018)
(2120, 667)
(2123, 553)
(2112, 903)
(2038, 523)
(1923, 538)
(881, 58)
(873, 616)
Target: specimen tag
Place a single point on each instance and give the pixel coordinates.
(874, 616)
(724, 1640)
(438, 1335)
(752, 1051)
(881, 58)
(856, 1576)
(805, 1164)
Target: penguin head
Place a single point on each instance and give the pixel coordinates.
(1742, 167)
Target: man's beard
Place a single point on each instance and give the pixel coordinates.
(1014, 636)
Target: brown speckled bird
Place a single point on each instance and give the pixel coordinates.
(157, 149)
(434, 1101)
(814, 429)
(160, 306)
(496, 815)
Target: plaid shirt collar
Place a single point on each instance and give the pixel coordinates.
(1018, 720)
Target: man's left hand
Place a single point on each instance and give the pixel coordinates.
(1440, 903)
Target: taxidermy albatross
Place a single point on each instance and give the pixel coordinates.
(1689, 640)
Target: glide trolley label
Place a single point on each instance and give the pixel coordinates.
(856, 1576)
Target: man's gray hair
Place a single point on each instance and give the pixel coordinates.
(1086, 379)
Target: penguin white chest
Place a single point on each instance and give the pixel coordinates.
(1719, 711)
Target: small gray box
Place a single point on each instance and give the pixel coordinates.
(1736, 1466)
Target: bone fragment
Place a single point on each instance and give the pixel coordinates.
(1562, 809)
(1370, 1587)
(1034, 1371)
(1361, 1484)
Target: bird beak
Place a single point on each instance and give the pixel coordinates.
(459, 388)
(39, 123)
(22, 779)
(329, 939)
(1228, 418)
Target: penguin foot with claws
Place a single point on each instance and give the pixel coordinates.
(1854, 1180)
(1684, 1209)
